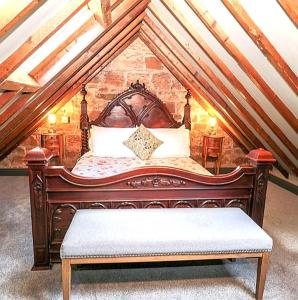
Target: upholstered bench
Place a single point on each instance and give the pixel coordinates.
(149, 235)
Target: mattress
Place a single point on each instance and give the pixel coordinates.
(99, 167)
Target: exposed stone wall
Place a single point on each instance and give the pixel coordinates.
(136, 62)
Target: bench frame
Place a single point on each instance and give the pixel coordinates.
(263, 263)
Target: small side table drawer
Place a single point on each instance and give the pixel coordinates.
(212, 147)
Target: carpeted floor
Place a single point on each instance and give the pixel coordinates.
(224, 280)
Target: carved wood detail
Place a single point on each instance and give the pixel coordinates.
(131, 108)
(156, 181)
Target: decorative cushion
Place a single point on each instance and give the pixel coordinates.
(142, 142)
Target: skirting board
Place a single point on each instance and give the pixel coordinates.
(282, 183)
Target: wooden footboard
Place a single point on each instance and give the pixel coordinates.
(56, 194)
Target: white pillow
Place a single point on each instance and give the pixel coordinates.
(108, 142)
(176, 142)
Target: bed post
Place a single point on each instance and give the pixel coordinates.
(84, 123)
(37, 161)
(263, 161)
(187, 107)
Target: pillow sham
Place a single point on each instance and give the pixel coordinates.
(176, 142)
(142, 142)
(108, 142)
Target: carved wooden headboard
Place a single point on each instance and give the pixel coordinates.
(131, 108)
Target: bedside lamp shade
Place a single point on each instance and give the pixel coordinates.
(52, 121)
(212, 123)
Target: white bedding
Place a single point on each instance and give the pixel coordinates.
(100, 167)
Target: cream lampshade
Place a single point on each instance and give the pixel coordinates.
(212, 123)
(52, 121)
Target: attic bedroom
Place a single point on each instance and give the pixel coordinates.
(153, 144)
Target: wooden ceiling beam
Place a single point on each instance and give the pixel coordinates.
(203, 82)
(102, 11)
(116, 4)
(260, 83)
(184, 67)
(106, 12)
(61, 82)
(188, 83)
(13, 106)
(8, 96)
(49, 61)
(74, 89)
(256, 35)
(290, 7)
(36, 40)
(20, 17)
(225, 118)
(242, 111)
(78, 85)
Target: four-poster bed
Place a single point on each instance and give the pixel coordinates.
(56, 193)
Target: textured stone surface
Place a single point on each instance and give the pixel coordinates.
(136, 62)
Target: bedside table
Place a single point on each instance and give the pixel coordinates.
(212, 147)
(55, 143)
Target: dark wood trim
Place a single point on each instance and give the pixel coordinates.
(14, 172)
(290, 9)
(289, 186)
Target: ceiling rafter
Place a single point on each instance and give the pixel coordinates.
(7, 97)
(36, 40)
(251, 72)
(254, 32)
(180, 63)
(110, 56)
(116, 4)
(290, 7)
(183, 21)
(219, 103)
(60, 83)
(19, 17)
(211, 75)
(187, 83)
(49, 61)
(218, 33)
(218, 100)
(102, 11)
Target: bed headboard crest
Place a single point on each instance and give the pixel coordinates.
(131, 108)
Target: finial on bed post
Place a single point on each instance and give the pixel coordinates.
(187, 107)
(84, 122)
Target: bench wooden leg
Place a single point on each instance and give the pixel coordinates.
(66, 278)
(263, 263)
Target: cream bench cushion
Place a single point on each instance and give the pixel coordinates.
(158, 232)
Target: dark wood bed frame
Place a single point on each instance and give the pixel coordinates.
(56, 193)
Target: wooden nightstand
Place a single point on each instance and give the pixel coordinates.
(212, 147)
(55, 143)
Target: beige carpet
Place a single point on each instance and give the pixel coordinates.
(184, 281)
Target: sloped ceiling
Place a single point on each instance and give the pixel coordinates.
(238, 58)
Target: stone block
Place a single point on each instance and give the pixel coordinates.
(153, 62)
